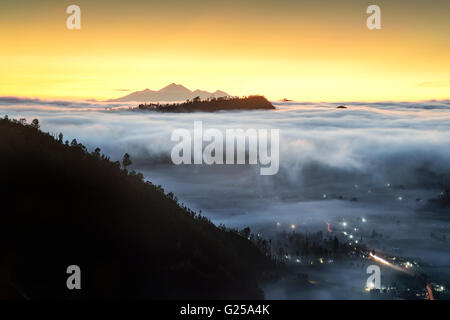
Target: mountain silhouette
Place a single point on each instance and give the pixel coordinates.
(254, 102)
(172, 92)
(64, 205)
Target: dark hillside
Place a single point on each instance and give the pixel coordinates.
(61, 205)
(212, 105)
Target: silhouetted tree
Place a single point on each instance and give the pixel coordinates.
(126, 160)
(74, 143)
(246, 232)
(335, 244)
(35, 124)
(97, 152)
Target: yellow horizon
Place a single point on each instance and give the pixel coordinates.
(302, 52)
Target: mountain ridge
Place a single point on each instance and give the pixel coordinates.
(131, 239)
(171, 92)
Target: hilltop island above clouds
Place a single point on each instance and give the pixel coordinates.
(212, 105)
(172, 92)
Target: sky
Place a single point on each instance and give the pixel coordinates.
(302, 50)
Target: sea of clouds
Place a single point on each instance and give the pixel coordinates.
(322, 149)
(382, 161)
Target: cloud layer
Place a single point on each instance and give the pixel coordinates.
(377, 160)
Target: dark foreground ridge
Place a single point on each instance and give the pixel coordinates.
(62, 205)
(212, 105)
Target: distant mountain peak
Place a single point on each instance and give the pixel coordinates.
(173, 85)
(171, 92)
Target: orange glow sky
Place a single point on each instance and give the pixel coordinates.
(303, 50)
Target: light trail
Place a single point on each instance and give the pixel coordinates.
(328, 227)
(387, 263)
(395, 267)
(430, 292)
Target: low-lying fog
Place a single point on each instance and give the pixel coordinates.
(380, 161)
